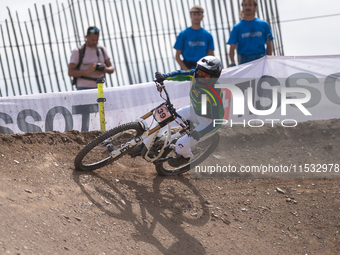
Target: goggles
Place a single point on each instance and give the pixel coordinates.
(94, 31)
(201, 74)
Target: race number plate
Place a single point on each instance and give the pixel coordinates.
(162, 113)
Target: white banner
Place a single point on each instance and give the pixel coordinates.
(272, 88)
(79, 110)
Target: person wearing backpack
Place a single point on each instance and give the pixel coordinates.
(89, 62)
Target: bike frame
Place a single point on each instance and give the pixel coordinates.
(170, 116)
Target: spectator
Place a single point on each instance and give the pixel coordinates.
(194, 42)
(250, 35)
(89, 62)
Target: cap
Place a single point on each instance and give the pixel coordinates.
(196, 8)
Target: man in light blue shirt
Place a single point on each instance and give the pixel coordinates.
(194, 42)
(251, 37)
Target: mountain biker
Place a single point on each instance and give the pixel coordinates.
(204, 77)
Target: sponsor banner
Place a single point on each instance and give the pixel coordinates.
(264, 86)
(79, 110)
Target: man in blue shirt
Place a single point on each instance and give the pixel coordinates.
(194, 42)
(251, 37)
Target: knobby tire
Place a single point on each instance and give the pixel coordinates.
(80, 165)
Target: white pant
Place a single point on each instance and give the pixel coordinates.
(184, 143)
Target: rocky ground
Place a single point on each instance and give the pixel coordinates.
(46, 207)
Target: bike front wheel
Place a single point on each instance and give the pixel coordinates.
(200, 153)
(100, 151)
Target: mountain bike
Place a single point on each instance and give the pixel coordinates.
(117, 142)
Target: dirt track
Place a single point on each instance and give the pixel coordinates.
(46, 207)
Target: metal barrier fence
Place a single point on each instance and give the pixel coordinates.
(138, 34)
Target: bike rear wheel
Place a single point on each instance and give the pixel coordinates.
(201, 152)
(97, 153)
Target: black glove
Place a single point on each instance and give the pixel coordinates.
(196, 135)
(159, 77)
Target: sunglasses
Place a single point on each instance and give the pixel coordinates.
(201, 74)
(94, 31)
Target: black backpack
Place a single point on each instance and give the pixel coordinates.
(81, 50)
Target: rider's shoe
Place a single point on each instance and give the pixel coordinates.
(178, 161)
(137, 150)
